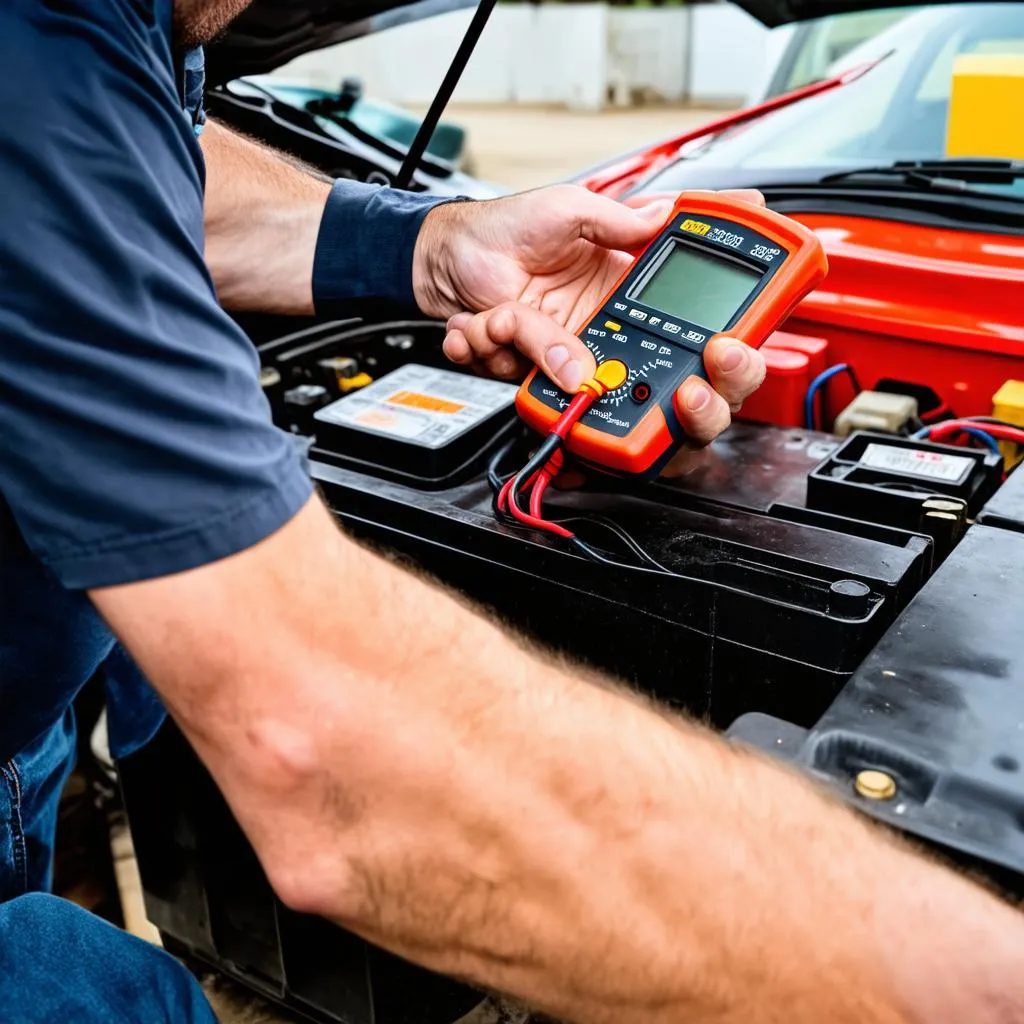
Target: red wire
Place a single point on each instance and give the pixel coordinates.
(946, 429)
(542, 480)
(573, 414)
(537, 495)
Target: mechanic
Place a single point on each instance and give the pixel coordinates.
(400, 764)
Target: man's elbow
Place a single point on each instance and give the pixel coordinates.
(303, 822)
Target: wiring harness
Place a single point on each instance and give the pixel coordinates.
(534, 479)
(547, 462)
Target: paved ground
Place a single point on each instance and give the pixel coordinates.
(521, 147)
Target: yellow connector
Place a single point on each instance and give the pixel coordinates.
(347, 384)
(1008, 405)
(610, 375)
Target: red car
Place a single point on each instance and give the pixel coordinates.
(926, 290)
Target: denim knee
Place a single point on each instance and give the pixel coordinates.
(58, 962)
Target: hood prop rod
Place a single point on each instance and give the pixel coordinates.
(444, 94)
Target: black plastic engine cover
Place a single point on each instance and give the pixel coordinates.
(939, 707)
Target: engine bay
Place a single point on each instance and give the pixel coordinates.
(845, 603)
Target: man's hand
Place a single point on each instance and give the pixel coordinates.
(532, 268)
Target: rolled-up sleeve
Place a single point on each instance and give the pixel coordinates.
(136, 440)
(365, 248)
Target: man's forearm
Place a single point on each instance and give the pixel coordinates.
(262, 213)
(404, 767)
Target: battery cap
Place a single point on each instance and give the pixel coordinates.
(875, 785)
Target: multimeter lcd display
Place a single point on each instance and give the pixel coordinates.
(699, 287)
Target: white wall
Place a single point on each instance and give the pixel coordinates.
(647, 53)
(573, 55)
(729, 50)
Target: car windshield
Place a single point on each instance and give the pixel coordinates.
(818, 45)
(898, 111)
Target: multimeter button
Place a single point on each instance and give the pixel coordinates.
(638, 314)
(640, 392)
(612, 325)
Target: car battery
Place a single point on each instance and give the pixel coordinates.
(761, 600)
(773, 608)
(419, 424)
(926, 737)
(793, 362)
(205, 891)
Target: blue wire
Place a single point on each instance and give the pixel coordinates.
(987, 439)
(816, 385)
(977, 432)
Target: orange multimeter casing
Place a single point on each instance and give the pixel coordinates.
(718, 266)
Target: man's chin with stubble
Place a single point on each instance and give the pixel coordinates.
(198, 21)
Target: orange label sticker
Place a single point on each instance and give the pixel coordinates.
(415, 400)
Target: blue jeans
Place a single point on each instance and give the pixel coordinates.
(59, 963)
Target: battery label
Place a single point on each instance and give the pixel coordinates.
(421, 405)
(916, 462)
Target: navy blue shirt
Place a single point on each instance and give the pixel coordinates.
(136, 441)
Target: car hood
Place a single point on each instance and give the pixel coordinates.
(270, 33)
(783, 12)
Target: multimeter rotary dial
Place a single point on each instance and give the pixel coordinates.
(619, 395)
(629, 390)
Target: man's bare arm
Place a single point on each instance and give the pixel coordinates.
(262, 212)
(404, 767)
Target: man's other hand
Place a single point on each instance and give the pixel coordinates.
(517, 277)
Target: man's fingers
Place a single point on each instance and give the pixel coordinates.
(736, 370)
(534, 335)
(457, 349)
(703, 412)
(507, 365)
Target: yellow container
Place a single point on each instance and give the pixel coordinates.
(1008, 404)
(986, 110)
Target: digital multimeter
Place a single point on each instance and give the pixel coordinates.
(718, 266)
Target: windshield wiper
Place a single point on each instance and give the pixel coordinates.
(952, 175)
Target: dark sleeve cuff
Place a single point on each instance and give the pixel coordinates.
(365, 246)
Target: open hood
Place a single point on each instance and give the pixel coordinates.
(272, 32)
(783, 12)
